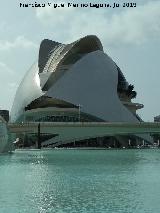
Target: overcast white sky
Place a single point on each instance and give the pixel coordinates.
(130, 36)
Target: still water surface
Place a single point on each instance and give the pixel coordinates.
(83, 181)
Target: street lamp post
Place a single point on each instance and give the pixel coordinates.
(79, 112)
(39, 137)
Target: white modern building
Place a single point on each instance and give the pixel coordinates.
(72, 83)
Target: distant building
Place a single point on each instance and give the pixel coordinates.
(5, 114)
(157, 118)
(75, 82)
(4, 143)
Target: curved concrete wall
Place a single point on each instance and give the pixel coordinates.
(92, 83)
(28, 90)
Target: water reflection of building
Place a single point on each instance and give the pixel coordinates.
(75, 82)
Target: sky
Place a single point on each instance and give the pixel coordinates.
(129, 35)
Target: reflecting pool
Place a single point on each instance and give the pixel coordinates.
(83, 181)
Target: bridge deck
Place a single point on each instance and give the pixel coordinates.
(68, 132)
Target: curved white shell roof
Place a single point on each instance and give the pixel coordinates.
(80, 73)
